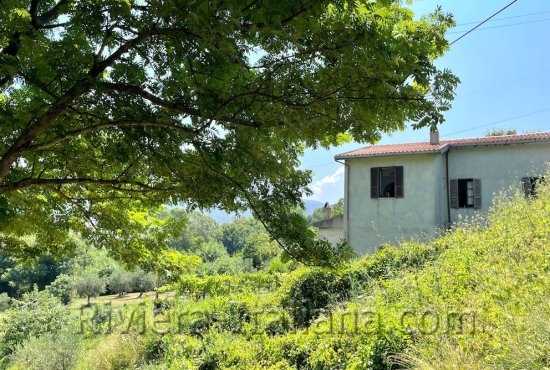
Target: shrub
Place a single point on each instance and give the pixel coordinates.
(310, 292)
(37, 313)
(52, 351)
(153, 349)
(5, 301)
(62, 288)
(116, 351)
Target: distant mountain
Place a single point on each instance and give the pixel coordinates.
(311, 205)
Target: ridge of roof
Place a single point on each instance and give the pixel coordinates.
(424, 147)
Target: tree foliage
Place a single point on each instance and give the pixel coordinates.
(197, 230)
(89, 285)
(501, 132)
(35, 314)
(107, 107)
(17, 278)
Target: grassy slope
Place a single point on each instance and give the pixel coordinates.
(401, 308)
(495, 271)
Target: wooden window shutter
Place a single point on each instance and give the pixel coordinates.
(374, 182)
(526, 183)
(399, 182)
(477, 193)
(453, 192)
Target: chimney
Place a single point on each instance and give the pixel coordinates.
(434, 137)
(327, 210)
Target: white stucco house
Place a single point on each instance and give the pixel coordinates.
(330, 228)
(396, 192)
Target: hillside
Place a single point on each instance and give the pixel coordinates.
(475, 298)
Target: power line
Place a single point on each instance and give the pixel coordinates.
(506, 25)
(504, 18)
(499, 121)
(484, 21)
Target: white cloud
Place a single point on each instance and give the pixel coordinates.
(329, 186)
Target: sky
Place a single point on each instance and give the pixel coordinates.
(504, 68)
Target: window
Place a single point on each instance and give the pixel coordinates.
(465, 193)
(530, 185)
(386, 182)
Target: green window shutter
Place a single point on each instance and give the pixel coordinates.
(477, 193)
(453, 192)
(526, 184)
(399, 182)
(374, 182)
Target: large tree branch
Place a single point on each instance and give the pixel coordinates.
(284, 22)
(246, 194)
(59, 106)
(176, 107)
(109, 125)
(135, 90)
(132, 186)
(53, 13)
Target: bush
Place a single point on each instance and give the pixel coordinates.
(62, 288)
(116, 351)
(52, 351)
(37, 313)
(154, 348)
(5, 301)
(310, 292)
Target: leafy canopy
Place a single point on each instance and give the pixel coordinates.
(108, 107)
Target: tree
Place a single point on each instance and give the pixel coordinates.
(116, 105)
(197, 230)
(62, 288)
(17, 278)
(120, 282)
(234, 234)
(142, 282)
(211, 251)
(501, 132)
(260, 248)
(89, 285)
(169, 264)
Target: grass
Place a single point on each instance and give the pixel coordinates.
(127, 299)
(494, 271)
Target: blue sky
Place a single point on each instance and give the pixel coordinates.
(504, 68)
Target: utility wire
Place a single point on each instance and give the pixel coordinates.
(504, 18)
(506, 25)
(487, 19)
(499, 121)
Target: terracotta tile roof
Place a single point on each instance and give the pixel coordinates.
(426, 147)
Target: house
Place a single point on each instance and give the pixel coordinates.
(396, 192)
(330, 228)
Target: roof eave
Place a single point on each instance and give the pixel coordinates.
(344, 157)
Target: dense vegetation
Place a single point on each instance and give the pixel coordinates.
(476, 297)
(114, 106)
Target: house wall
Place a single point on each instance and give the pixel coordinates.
(333, 236)
(372, 222)
(440, 192)
(331, 229)
(498, 167)
(423, 210)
